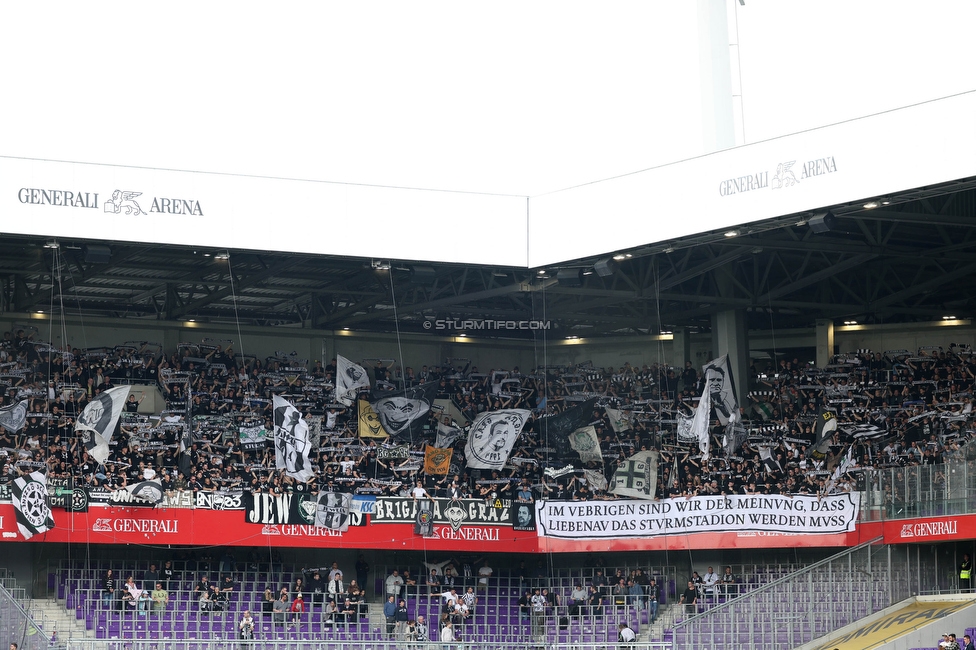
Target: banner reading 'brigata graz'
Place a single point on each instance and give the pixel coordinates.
(457, 512)
(705, 514)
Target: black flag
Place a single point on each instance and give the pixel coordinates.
(404, 412)
(556, 429)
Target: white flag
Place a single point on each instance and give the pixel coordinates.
(332, 510)
(13, 417)
(699, 424)
(292, 443)
(637, 477)
(446, 435)
(595, 479)
(492, 436)
(350, 378)
(29, 495)
(585, 442)
(97, 422)
(620, 419)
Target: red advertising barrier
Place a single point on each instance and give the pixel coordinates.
(135, 525)
(947, 528)
(185, 526)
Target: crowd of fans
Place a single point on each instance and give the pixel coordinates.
(894, 408)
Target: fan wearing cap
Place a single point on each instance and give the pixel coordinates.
(297, 608)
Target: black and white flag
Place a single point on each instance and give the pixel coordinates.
(404, 412)
(98, 421)
(720, 388)
(864, 431)
(292, 443)
(183, 458)
(824, 432)
(332, 510)
(446, 435)
(772, 464)
(148, 491)
(637, 477)
(13, 417)
(350, 379)
(694, 430)
(29, 495)
(557, 428)
(492, 436)
(735, 435)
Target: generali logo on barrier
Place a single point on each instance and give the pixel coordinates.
(938, 528)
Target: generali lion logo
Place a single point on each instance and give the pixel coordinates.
(270, 529)
(102, 526)
(907, 530)
(122, 200)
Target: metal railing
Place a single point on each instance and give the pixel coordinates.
(17, 626)
(795, 609)
(300, 644)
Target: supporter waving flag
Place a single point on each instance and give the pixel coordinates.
(98, 421)
(292, 442)
(29, 495)
(350, 379)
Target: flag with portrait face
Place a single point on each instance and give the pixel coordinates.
(720, 388)
(292, 442)
(350, 379)
(492, 436)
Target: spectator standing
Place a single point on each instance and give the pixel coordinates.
(280, 609)
(246, 626)
(689, 598)
(160, 598)
(729, 583)
(362, 571)
(965, 573)
(393, 584)
(297, 608)
(108, 588)
(653, 599)
(423, 633)
(389, 612)
(401, 617)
